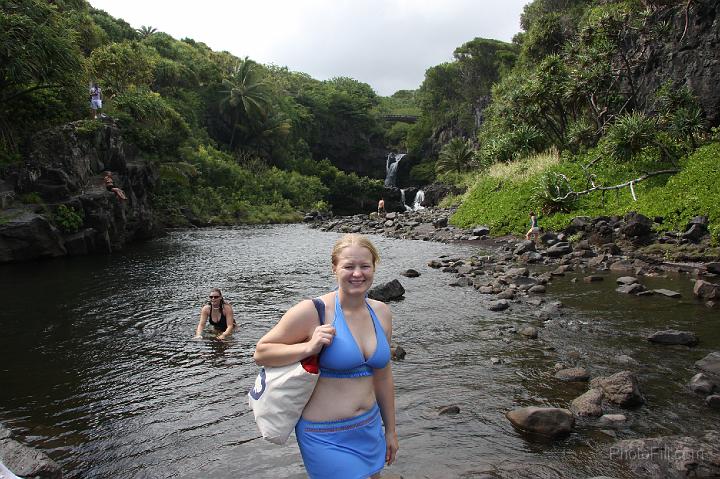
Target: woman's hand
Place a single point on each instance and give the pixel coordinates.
(322, 336)
(391, 447)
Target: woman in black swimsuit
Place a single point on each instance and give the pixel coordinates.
(219, 314)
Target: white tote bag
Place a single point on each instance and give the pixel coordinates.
(281, 393)
(278, 399)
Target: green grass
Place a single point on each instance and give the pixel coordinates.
(502, 197)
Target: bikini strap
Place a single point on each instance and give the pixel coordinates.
(320, 307)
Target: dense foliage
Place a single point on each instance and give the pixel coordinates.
(236, 140)
(570, 83)
(232, 138)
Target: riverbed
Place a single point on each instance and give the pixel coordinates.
(100, 371)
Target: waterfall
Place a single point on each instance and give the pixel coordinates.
(417, 204)
(402, 198)
(391, 167)
(419, 198)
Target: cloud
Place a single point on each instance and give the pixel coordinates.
(386, 43)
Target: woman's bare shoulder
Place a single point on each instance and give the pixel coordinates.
(381, 309)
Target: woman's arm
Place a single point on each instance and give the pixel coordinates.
(230, 318)
(385, 388)
(203, 319)
(385, 394)
(296, 336)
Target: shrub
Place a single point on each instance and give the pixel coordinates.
(423, 172)
(68, 219)
(32, 198)
(149, 122)
(629, 135)
(552, 193)
(457, 155)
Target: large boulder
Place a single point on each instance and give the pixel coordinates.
(589, 404)
(671, 336)
(544, 421)
(620, 388)
(706, 290)
(30, 236)
(710, 363)
(435, 192)
(387, 292)
(27, 462)
(636, 225)
(559, 249)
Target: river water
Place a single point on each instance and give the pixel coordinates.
(98, 368)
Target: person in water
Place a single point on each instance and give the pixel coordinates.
(110, 186)
(340, 432)
(534, 230)
(219, 314)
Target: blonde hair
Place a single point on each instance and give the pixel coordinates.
(354, 240)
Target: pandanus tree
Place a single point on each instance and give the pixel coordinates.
(457, 155)
(246, 100)
(40, 64)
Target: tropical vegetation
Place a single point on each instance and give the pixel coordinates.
(556, 121)
(233, 140)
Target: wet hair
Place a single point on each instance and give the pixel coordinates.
(354, 240)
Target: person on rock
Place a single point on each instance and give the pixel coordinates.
(340, 432)
(534, 231)
(219, 314)
(95, 100)
(381, 207)
(110, 186)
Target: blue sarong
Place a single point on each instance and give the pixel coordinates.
(352, 448)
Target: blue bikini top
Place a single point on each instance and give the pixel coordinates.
(343, 357)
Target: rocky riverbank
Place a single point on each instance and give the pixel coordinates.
(514, 274)
(626, 243)
(25, 461)
(56, 204)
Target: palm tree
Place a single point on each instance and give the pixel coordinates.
(145, 32)
(247, 100)
(456, 155)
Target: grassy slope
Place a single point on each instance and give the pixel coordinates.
(501, 199)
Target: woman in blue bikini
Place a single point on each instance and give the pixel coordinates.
(340, 433)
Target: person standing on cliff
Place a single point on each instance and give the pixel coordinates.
(95, 99)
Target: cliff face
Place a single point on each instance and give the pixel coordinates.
(348, 154)
(65, 168)
(687, 57)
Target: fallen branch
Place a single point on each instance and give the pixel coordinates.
(629, 183)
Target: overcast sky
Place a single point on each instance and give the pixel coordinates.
(386, 43)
